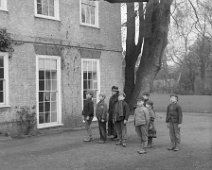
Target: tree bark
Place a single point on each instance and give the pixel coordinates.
(157, 18)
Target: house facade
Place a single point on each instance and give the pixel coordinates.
(62, 48)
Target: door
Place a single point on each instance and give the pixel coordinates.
(48, 91)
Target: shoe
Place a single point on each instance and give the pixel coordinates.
(114, 138)
(176, 149)
(124, 144)
(170, 148)
(101, 142)
(142, 151)
(87, 139)
(119, 143)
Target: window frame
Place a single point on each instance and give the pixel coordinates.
(96, 25)
(98, 79)
(3, 6)
(6, 78)
(56, 11)
(59, 97)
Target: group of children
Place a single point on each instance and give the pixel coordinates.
(116, 117)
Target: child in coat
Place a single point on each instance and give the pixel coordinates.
(151, 124)
(174, 120)
(101, 114)
(88, 114)
(140, 121)
(120, 118)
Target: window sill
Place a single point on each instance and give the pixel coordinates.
(5, 106)
(47, 17)
(90, 26)
(4, 10)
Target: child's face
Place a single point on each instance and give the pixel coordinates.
(114, 92)
(101, 97)
(173, 99)
(140, 103)
(88, 96)
(148, 106)
(121, 97)
(146, 97)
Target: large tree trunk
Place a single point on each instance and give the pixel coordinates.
(155, 32)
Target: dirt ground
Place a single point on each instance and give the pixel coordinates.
(66, 151)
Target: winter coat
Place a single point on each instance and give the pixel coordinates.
(174, 113)
(121, 111)
(101, 111)
(88, 109)
(141, 116)
(112, 102)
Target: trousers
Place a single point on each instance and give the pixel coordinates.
(102, 130)
(174, 133)
(121, 130)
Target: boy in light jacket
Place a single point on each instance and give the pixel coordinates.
(101, 114)
(141, 121)
(174, 119)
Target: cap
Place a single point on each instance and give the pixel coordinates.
(115, 88)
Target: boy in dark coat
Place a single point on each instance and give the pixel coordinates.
(88, 114)
(113, 100)
(174, 120)
(120, 118)
(101, 114)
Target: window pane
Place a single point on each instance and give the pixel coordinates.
(93, 15)
(1, 73)
(54, 117)
(41, 75)
(1, 97)
(1, 85)
(39, 7)
(83, 13)
(45, 7)
(54, 85)
(47, 106)
(1, 58)
(54, 75)
(47, 117)
(41, 107)
(41, 85)
(41, 118)
(47, 96)
(53, 96)
(53, 106)
(48, 85)
(41, 98)
(51, 8)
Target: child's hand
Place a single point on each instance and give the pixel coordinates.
(87, 118)
(179, 125)
(125, 121)
(168, 125)
(103, 120)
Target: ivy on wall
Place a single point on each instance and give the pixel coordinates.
(5, 41)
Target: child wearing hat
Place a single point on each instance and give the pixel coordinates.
(112, 102)
(120, 118)
(101, 114)
(151, 124)
(141, 121)
(88, 114)
(174, 120)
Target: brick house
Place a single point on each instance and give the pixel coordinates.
(62, 48)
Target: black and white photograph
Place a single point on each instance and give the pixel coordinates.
(105, 85)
